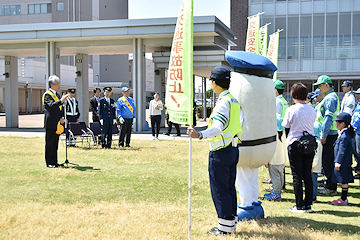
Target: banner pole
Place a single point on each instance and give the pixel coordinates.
(190, 171)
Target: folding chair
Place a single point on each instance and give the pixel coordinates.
(96, 129)
(87, 131)
(76, 133)
(115, 132)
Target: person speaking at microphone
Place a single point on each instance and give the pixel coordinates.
(53, 118)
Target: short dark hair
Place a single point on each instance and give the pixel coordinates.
(299, 91)
(96, 89)
(280, 91)
(222, 83)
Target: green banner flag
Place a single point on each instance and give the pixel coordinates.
(273, 50)
(179, 85)
(263, 40)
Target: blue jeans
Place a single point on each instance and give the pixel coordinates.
(314, 177)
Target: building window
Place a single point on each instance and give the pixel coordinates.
(39, 8)
(10, 10)
(60, 6)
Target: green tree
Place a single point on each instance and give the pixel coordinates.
(209, 93)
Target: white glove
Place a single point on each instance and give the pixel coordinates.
(114, 121)
(134, 121)
(101, 121)
(121, 120)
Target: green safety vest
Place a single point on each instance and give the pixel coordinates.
(284, 105)
(230, 130)
(320, 118)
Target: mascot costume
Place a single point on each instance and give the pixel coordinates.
(252, 85)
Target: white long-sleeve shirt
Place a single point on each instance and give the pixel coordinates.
(348, 103)
(153, 111)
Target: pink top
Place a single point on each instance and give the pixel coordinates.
(299, 117)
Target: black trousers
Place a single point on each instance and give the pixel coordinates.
(155, 125)
(106, 135)
(51, 146)
(301, 165)
(125, 132)
(222, 173)
(328, 161)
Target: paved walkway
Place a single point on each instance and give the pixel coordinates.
(32, 126)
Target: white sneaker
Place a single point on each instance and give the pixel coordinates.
(157, 139)
(154, 138)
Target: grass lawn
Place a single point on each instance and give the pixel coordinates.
(141, 193)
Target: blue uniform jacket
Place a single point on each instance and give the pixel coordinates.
(355, 121)
(327, 111)
(106, 111)
(342, 154)
(123, 111)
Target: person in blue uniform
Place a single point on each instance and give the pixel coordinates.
(71, 111)
(126, 113)
(53, 115)
(222, 133)
(343, 157)
(107, 117)
(355, 123)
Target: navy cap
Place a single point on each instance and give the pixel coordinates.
(357, 91)
(316, 93)
(124, 89)
(347, 84)
(71, 90)
(343, 117)
(221, 73)
(107, 89)
(248, 60)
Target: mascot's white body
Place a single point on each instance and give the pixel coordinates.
(257, 99)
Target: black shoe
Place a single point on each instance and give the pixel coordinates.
(60, 165)
(128, 146)
(167, 134)
(357, 176)
(216, 231)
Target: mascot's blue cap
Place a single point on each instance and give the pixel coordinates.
(250, 63)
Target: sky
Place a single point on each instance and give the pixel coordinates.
(170, 8)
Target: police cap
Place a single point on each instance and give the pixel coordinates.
(107, 89)
(71, 90)
(220, 73)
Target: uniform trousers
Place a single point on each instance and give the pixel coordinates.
(125, 132)
(51, 146)
(328, 161)
(106, 135)
(301, 165)
(222, 173)
(276, 173)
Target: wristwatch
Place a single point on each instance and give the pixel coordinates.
(200, 136)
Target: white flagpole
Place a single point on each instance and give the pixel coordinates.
(190, 170)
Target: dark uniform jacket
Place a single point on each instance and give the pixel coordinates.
(106, 111)
(52, 111)
(94, 108)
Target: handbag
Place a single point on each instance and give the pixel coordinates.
(307, 143)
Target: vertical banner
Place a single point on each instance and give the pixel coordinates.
(273, 50)
(252, 36)
(263, 40)
(179, 84)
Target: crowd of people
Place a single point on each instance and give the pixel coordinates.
(335, 127)
(331, 130)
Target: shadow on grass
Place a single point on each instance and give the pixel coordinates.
(342, 213)
(282, 225)
(86, 168)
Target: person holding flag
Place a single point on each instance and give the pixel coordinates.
(126, 115)
(222, 134)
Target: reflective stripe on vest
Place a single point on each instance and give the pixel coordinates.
(232, 127)
(284, 105)
(320, 118)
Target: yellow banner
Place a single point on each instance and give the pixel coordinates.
(179, 84)
(252, 36)
(273, 50)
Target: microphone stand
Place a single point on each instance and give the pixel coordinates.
(67, 140)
